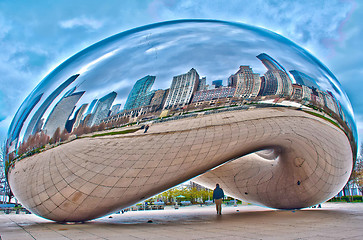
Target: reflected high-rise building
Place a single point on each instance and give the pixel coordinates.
(276, 74)
(270, 63)
(115, 109)
(159, 98)
(202, 84)
(102, 109)
(232, 80)
(61, 112)
(248, 83)
(182, 89)
(213, 94)
(297, 92)
(304, 79)
(140, 94)
(217, 83)
(34, 122)
(75, 122)
(284, 85)
(268, 86)
(320, 98)
(91, 106)
(306, 93)
(330, 102)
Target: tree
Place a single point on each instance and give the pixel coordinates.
(64, 135)
(102, 126)
(86, 130)
(56, 136)
(94, 128)
(79, 130)
(357, 175)
(5, 160)
(43, 139)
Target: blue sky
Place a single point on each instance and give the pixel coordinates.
(36, 36)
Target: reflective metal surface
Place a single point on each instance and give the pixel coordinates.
(149, 108)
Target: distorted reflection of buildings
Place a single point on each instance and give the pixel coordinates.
(91, 106)
(78, 116)
(213, 94)
(303, 79)
(115, 109)
(62, 112)
(187, 92)
(102, 109)
(202, 84)
(159, 98)
(34, 126)
(140, 94)
(216, 83)
(182, 89)
(248, 83)
(277, 75)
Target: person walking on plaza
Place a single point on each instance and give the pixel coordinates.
(218, 196)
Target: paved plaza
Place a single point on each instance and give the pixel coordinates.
(332, 221)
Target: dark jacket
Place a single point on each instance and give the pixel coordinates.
(218, 193)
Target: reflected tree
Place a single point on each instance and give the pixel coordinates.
(357, 175)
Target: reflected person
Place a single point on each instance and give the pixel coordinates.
(218, 196)
(146, 128)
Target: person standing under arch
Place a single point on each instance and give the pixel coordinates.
(218, 196)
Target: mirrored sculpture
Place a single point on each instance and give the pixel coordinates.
(152, 107)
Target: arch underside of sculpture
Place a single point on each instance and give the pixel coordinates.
(276, 157)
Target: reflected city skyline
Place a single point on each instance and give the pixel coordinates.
(188, 92)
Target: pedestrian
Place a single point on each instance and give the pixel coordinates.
(146, 128)
(218, 196)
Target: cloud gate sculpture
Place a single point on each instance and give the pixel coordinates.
(152, 107)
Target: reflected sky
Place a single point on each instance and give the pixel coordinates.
(215, 49)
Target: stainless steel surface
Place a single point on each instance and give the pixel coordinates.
(149, 108)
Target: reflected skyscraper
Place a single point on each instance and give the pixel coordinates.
(77, 117)
(304, 79)
(213, 94)
(248, 83)
(91, 106)
(159, 98)
(34, 122)
(276, 74)
(297, 93)
(330, 102)
(115, 109)
(306, 93)
(217, 83)
(61, 112)
(140, 94)
(202, 84)
(182, 89)
(102, 109)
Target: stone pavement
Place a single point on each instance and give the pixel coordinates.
(332, 221)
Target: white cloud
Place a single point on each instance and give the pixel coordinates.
(82, 21)
(314, 24)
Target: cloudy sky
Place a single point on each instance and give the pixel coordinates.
(36, 36)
